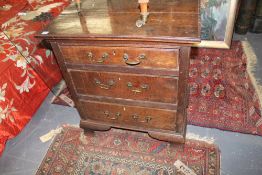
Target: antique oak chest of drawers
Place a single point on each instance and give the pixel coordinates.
(123, 76)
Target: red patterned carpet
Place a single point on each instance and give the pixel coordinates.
(221, 93)
(124, 152)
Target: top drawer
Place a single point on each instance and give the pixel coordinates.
(123, 56)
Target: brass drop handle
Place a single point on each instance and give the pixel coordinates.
(137, 90)
(101, 60)
(137, 61)
(107, 115)
(146, 120)
(102, 85)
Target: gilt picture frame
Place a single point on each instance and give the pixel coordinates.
(217, 23)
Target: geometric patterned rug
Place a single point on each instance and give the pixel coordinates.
(222, 94)
(120, 152)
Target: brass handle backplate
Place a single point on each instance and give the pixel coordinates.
(142, 87)
(115, 117)
(136, 61)
(102, 85)
(146, 119)
(100, 60)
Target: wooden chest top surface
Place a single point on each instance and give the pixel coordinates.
(169, 20)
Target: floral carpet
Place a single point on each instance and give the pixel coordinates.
(28, 70)
(221, 93)
(124, 152)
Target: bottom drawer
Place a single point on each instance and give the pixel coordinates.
(133, 116)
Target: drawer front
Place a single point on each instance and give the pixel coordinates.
(130, 115)
(124, 56)
(126, 86)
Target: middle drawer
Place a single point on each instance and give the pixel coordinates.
(125, 86)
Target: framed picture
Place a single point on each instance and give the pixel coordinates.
(217, 22)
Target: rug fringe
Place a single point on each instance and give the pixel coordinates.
(200, 138)
(52, 133)
(251, 63)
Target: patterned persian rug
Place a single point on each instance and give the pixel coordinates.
(223, 92)
(119, 152)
